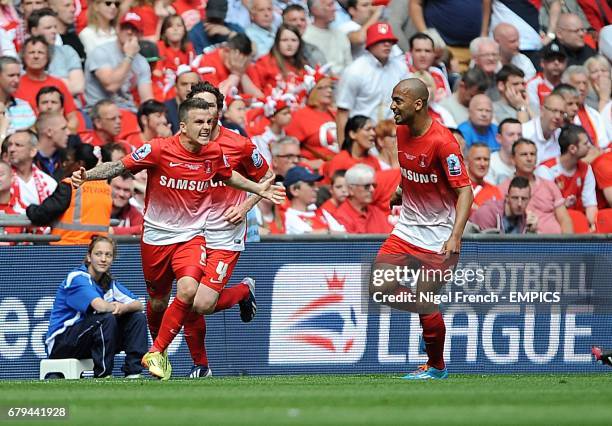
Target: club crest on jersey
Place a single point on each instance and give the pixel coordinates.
(141, 152)
(207, 167)
(257, 158)
(454, 166)
(422, 160)
(225, 161)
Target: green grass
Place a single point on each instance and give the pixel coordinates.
(325, 400)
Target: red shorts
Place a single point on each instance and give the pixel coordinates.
(396, 251)
(162, 264)
(219, 267)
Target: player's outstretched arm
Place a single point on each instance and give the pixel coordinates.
(236, 214)
(265, 189)
(465, 197)
(100, 172)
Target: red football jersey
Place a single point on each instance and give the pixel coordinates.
(243, 157)
(178, 196)
(316, 131)
(431, 166)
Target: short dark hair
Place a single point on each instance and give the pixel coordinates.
(475, 77)
(37, 15)
(86, 153)
(293, 7)
(520, 182)
(35, 40)
(149, 107)
(8, 60)
(564, 88)
(506, 71)
(206, 87)
(521, 141)
(337, 174)
(240, 42)
(505, 121)
(107, 151)
(49, 89)
(570, 135)
(420, 36)
(191, 104)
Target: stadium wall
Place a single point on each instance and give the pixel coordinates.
(312, 317)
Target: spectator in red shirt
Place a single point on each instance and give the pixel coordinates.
(130, 219)
(35, 61)
(338, 191)
(231, 63)
(478, 160)
(152, 122)
(357, 213)
(145, 9)
(174, 45)
(302, 217)
(284, 62)
(359, 138)
(106, 119)
(315, 124)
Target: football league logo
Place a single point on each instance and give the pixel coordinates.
(319, 323)
(141, 152)
(454, 166)
(257, 158)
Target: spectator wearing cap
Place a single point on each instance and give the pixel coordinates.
(102, 18)
(363, 15)
(544, 129)
(115, 69)
(214, 29)
(261, 31)
(472, 83)
(553, 62)
(366, 85)
(303, 217)
(586, 116)
(480, 126)
(570, 36)
(334, 44)
(507, 36)
(513, 102)
(295, 16)
(65, 62)
(357, 213)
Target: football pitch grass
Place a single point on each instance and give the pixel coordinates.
(569, 399)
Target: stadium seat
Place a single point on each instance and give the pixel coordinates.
(580, 222)
(603, 224)
(70, 368)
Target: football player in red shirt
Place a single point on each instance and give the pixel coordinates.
(181, 171)
(436, 201)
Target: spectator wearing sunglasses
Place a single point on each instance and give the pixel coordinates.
(357, 213)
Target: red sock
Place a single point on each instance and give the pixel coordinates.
(174, 318)
(154, 320)
(434, 334)
(231, 296)
(195, 336)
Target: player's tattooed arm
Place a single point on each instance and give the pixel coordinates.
(100, 172)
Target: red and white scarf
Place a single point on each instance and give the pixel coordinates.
(42, 189)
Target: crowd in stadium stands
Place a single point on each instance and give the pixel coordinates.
(524, 85)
